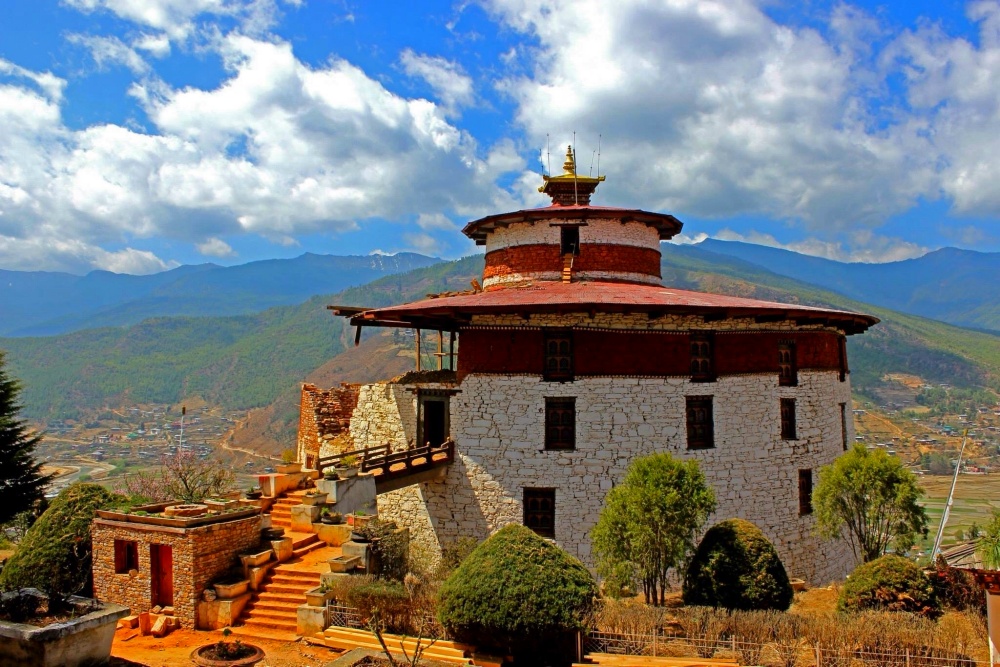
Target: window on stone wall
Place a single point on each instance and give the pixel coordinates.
(788, 372)
(560, 423)
(805, 491)
(434, 421)
(540, 511)
(842, 356)
(843, 425)
(126, 556)
(788, 419)
(700, 423)
(701, 358)
(558, 356)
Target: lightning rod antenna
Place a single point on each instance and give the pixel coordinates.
(599, 156)
(592, 154)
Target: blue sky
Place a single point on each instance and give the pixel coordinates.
(142, 134)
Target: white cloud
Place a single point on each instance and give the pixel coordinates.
(435, 221)
(423, 243)
(51, 85)
(216, 247)
(157, 46)
(277, 149)
(108, 51)
(711, 108)
(446, 78)
(57, 253)
(177, 18)
(861, 246)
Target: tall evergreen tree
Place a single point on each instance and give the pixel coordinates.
(21, 480)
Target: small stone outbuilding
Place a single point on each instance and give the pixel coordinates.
(145, 561)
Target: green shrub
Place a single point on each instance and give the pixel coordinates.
(890, 583)
(956, 588)
(736, 567)
(517, 591)
(452, 555)
(55, 554)
(390, 549)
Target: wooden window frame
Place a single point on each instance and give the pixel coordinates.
(805, 491)
(788, 419)
(564, 231)
(702, 357)
(843, 425)
(538, 518)
(700, 432)
(788, 369)
(126, 556)
(426, 396)
(556, 436)
(557, 337)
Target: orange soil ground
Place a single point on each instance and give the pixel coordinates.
(175, 649)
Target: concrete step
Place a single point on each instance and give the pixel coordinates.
(290, 589)
(271, 626)
(255, 632)
(294, 579)
(273, 615)
(274, 606)
(272, 597)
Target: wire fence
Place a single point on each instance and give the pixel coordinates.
(779, 653)
(424, 625)
(788, 653)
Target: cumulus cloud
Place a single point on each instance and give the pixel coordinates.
(279, 148)
(714, 109)
(108, 51)
(177, 18)
(446, 78)
(216, 247)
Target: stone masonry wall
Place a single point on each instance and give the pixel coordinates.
(199, 555)
(323, 415)
(497, 422)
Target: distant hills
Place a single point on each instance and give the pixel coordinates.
(951, 285)
(45, 304)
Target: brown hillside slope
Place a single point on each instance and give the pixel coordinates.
(271, 429)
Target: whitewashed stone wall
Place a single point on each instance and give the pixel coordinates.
(593, 230)
(386, 413)
(498, 425)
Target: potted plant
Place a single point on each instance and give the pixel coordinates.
(288, 464)
(314, 497)
(79, 630)
(331, 518)
(227, 654)
(349, 466)
(254, 493)
(331, 474)
(232, 585)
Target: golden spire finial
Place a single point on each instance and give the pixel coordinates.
(569, 166)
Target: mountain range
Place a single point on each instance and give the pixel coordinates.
(37, 303)
(951, 285)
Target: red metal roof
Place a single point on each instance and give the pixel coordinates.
(666, 225)
(551, 296)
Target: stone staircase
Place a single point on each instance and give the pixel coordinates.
(271, 612)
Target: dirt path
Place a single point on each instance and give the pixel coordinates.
(175, 650)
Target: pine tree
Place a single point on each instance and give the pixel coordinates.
(21, 481)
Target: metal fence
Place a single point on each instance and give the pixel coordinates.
(349, 617)
(793, 653)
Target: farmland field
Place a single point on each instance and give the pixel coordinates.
(975, 497)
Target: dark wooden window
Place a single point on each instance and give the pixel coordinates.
(560, 423)
(569, 240)
(788, 419)
(540, 511)
(434, 418)
(805, 491)
(788, 372)
(558, 356)
(700, 424)
(842, 354)
(126, 556)
(843, 425)
(701, 358)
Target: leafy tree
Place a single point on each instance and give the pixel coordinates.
(989, 543)
(868, 497)
(181, 476)
(737, 567)
(21, 481)
(55, 554)
(516, 591)
(649, 522)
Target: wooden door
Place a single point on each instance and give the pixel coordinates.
(161, 574)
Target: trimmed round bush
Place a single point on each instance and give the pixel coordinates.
(55, 554)
(889, 583)
(736, 567)
(517, 591)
